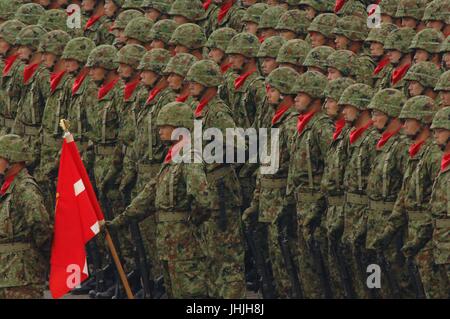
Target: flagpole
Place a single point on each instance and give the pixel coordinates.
(123, 277)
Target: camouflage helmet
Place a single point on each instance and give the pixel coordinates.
(189, 35)
(318, 5)
(336, 87)
(363, 69)
(270, 47)
(400, 40)
(426, 73)
(244, 43)
(318, 56)
(190, 9)
(343, 61)
(443, 84)
(428, 39)
(312, 83)
(388, 7)
(176, 114)
(180, 64)
(163, 30)
(357, 95)
(162, 6)
(124, 18)
(294, 52)
(445, 46)
(29, 13)
(437, 10)
(421, 108)
(8, 8)
(353, 8)
(118, 3)
(254, 12)
(54, 19)
(139, 29)
(103, 56)
(380, 34)
(389, 101)
(351, 27)
(78, 49)
(30, 36)
(324, 23)
(270, 16)
(295, 21)
(54, 42)
(132, 4)
(220, 38)
(155, 60)
(14, 149)
(206, 73)
(441, 119)
(9, 30)
(283, 79)
(411, 9)
(131, 54)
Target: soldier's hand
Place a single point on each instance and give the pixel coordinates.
(409, 249)
(249, 215)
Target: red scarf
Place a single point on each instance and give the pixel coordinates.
(386, 137)
(55, 78)
(182, 98)
(303, 119)
(398, 73)
(9, 61)
(339, 126)
(381, 66)
(91, 21)
(78, 81)
(261, 39)
(7, 183)
(129, 88)
(153, 93)
(240, 80)
(206, 4)
(199, 110)
(28, 71)
(267, 88)
(339, 5)
(282, 108)
(104, 89)
(414, 148)
(356, 133)
(173, 151)
(445, 162)
(224, 68)
(224, 10)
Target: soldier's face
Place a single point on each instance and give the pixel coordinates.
(195, 89)
(49, 60)
(25, 53)
(3, 165)
(181, 49)
(332, 108)
(121, 38)
(125, 71)
(445, 96)
(4, 47)
(273, 96)
(350, 113)
(441, 136)
(446, 60)
(415, 88)
(421, 56)
(333, 74)
(175, 81)
(317, 69)
(133, 41)
(180, 20)
(216, 55)
(71, 65)
(148, 78)
(386, 18)
(310, 12)
(394, 56)
(237, 61)
(408, 22)
(434, 24)
(267, 33)
(268, 65)
(342, 42)
(251, 27)
(152, 14)
(376, 49)
(411, 128)
(110, 8)
(302, 101)
(157, 44)
(165, 132)
(317, 39)
(88, 5)
(44, 3)
(97, 74)
(380, 120)
(294, 67)
(287, 35)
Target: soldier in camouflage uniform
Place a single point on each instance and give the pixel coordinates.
(314, 7)
(8, 9)
(439, 202)
(54, 19)
(161, 33)
(119, 25)
(355, 8)
(94, 22)
(421, 79)
(445, 52)
(226, 13)
(411, 13)
(268, 22)
(25, 224)
(156, 10)
(350, 32)
(180, 213)
(309, 146)
(186, 11)
(388, 10)
(189, 38)
(292, 54)
(112, 9)
(29, 13)
(436, 16)
(138, 31)
(222, 232)
(217, 44)
(320, 30)
(268, 52)
(443, 88)
(293, 24)
(252, 16)
(176, 71)
(317, 57)
(426, 46)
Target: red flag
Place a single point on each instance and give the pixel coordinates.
(77, 217)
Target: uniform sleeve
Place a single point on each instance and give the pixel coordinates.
(325, 136)
(197, 185)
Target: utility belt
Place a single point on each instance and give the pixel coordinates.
(14, 247)
(151, 169)
(51, 141)
(381, 205)
(417, 215)
(309, 197)
(104, 150)
(172, 216)
(442, 223)
(273, 182)
(358, 199)
(336, 200)
(218, 174)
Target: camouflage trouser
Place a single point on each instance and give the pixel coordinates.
(34, 291)
(225, 256)
(247, 189)
(431, 275)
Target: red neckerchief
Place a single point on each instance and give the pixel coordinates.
(282, 108)
(240, 80)
(261, 39)
(339, 126)
(445, 162)
(153, 93)
(386, 137)
(199, 110)
(28, 71)
(224, 68)
(182, 98)
(9, 61)
(55, 78)
(104, 89)
(303, 119)
(78, 81)
(338, 6)
(224, 10)
(111, 28)
(414, 148)
(381, 65)
(356, 133)
(7, 183)
(174, 150)
(206, 4)
(399, 72)
(129, 88)
(91, 21)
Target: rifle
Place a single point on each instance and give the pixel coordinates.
(392, 282)
(320, 264)
(415, 276)
(342, 268)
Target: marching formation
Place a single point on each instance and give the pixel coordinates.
(358, 90)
